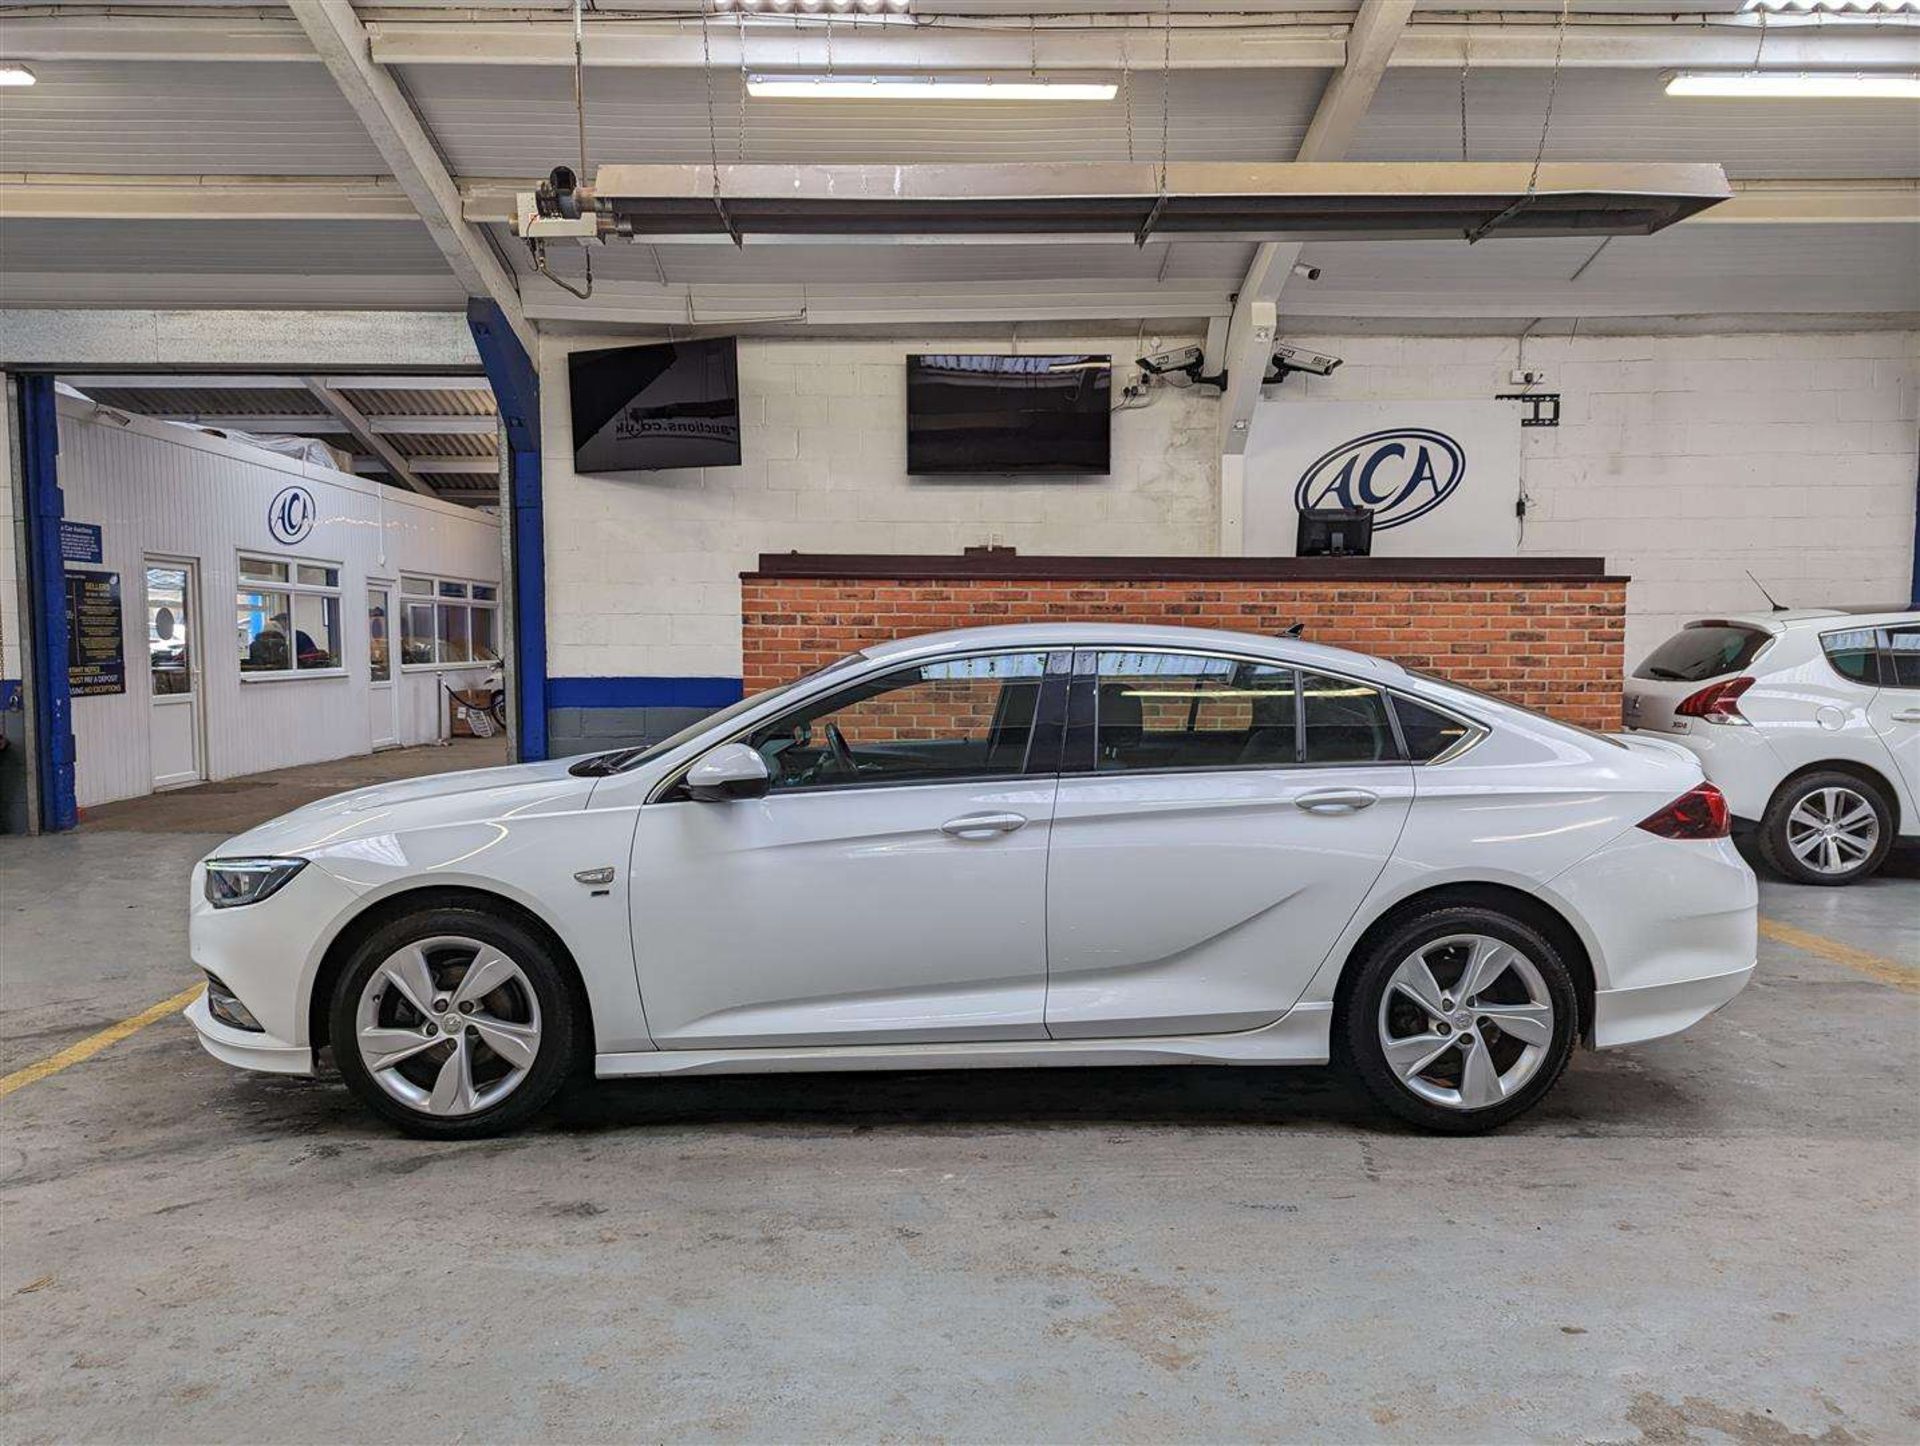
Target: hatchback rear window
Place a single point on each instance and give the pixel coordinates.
(1710, 650)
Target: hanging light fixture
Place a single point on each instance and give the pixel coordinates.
(1779, 85)
(924, 87)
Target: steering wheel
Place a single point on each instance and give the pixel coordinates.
(842, 755)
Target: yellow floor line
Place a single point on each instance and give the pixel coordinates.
(94, 1043)
(1887, 971)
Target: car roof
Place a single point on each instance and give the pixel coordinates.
(1130, 636)
(1790, 618)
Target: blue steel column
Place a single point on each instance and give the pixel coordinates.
(516, 390)
(47, 623)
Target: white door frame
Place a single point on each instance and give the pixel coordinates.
(389, 689)
(196, 698)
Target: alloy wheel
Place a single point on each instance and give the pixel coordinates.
(1833, 830)
(448, 1026)
(1465, 1021)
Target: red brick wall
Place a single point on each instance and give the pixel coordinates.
(1556, 645)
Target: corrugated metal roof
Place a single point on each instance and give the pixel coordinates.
(476, 401)
(416, 444)
(207, 401)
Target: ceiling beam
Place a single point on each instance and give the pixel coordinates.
(302, 423)
(1075, 43)
(267, 381)
(1377, 29)
(789, 43)
(401, 139)
(433, 466)
(364, 434)
(84, 196)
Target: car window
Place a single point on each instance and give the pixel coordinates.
(1900, 660)
(935, 722)
(1427, 731)
(1854, 655)
(1175, 710)
(1346, 722)
(1711, 650)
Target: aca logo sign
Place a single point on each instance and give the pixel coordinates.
(291, 514)
(1400, 474)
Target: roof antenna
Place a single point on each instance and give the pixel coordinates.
(1777, 607)
(1294, 630)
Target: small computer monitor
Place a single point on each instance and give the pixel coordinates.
(1335, 532)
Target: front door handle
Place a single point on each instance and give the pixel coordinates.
(1336, 800)
(980, 825)
(1912, 715)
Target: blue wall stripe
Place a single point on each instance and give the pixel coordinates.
(631, 692)
(47, 623)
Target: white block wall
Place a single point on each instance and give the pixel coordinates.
(1682, 460)
(1686, 461)
(643, 570)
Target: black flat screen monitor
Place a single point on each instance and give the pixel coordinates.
(1008, 414)
(1334, 532)
(650, 408)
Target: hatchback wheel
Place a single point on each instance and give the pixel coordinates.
(453, 1024)
(1461, 1019)
(1827, 828)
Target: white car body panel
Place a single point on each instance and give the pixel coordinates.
(841, 929)
(1801, 713)
(827, 917)
(1135, 948)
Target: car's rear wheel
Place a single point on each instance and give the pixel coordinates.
(1460, 1019)
(1827, 828)
(453, 1023)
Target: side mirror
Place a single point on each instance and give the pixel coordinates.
(732, 770)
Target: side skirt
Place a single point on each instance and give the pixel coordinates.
(1298, 1037)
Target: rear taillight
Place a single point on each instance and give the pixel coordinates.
(1698, 813)
(1717, 702)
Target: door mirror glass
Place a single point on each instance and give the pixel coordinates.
(732, 770)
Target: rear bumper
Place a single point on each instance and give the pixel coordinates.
(1630, 1016)
(244, 1049)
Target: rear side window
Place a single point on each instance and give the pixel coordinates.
(1346, 722)
(1900, 661)
(1175, 710)
(1853, 655)
(1428, 732)
(1696, 654)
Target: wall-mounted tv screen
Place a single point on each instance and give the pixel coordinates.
(1008, 413)
(649, 408)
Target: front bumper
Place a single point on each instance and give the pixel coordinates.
(244, 1048)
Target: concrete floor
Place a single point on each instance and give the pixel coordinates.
(1714, 1238)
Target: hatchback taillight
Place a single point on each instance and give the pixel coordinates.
(1700, 812)
(1716, 703)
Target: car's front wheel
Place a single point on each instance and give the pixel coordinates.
(1826, 828)
(1460, 1019)
(453, 1023)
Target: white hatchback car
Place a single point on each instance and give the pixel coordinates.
(1808, 721)
(1020, 846)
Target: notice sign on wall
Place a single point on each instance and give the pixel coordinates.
(1440, 478)
(79, 541)
(96, 640)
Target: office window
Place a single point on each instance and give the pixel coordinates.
(292, 626)
(448, 622)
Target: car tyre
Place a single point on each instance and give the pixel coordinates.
(1529, 987)
(526, 1009)
(1796, 808)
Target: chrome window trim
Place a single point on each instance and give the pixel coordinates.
(1477, 730)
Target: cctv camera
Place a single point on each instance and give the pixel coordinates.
(1306, 272)
(1289, 359)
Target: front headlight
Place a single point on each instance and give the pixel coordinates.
(233, 882)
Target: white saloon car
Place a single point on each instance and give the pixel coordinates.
(1808, 721)
(1018, 846)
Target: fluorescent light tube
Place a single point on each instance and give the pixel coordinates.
(1763, 85)
(11, 74)
(922, 87)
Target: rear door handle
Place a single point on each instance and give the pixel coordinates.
(979, 825)
(1336, 800)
